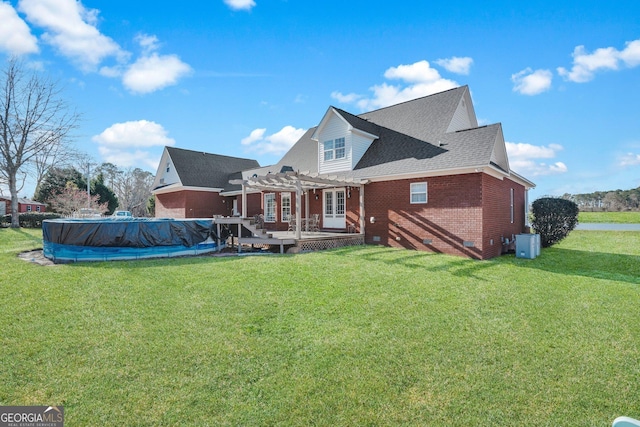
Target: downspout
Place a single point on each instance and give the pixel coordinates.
(362, 221)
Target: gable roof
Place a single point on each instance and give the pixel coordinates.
(435, 134)
(199, 169)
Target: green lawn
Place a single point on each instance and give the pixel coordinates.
(609, 217)
(355, 336)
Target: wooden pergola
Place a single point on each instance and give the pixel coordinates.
(301, 183)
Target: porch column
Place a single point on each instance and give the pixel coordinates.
(244, 201)
(306, 209)
(298, 210)
(362, 218)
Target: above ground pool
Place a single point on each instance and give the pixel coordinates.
(69, 240)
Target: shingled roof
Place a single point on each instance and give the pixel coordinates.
(199, 169)
(413, 137)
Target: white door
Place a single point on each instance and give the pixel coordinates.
(3, 208)
(334, 204)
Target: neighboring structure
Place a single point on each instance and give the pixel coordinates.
(420, 175)
(188, 184)
(24, 205)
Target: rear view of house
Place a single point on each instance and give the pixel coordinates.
(421, 175)
(188, 183)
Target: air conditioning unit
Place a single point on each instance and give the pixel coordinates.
(527, 246)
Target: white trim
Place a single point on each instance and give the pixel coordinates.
(426, 193)
(172, 188)
(275, 208)
(283, 195)
(489, 170)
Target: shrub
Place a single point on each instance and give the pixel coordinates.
(553, 219)
(29, 219)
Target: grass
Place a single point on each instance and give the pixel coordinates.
(609, 217)
(355, 336)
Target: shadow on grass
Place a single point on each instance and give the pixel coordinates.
(433, 262)
(162, 262)
(598, 265)
(28, 236)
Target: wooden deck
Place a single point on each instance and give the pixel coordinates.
(308, 242)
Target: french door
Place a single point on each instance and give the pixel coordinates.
(334, 208)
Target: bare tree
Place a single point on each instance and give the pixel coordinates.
(33, 119)
(133, 188)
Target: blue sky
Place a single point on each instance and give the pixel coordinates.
(246, 77)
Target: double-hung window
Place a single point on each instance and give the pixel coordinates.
(285, 203)
(334, 149)
(418, 192)
(270, 207)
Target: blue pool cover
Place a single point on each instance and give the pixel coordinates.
(69, 240)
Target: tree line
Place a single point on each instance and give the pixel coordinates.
(615, 200)
(67, 191)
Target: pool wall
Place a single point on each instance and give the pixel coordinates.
(71, 240)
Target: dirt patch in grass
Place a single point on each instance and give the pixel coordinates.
(37, 257)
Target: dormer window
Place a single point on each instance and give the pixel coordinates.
(334, 149)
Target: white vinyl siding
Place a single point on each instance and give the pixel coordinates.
(359, 145)
(464, 117)
(270, 207)
(418, 193)
(332, 158)
(340, 147)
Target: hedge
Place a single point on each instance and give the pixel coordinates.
(29, 219)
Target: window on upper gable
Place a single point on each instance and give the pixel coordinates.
(418, 192)
(334, 149)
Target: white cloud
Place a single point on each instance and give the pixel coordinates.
(240, 4)
(148, 43)
(456, 64)
(345, 99)
(15, 35)
(630, 159)
(128, 144)
(255, 135)
(154, 72)
(523, 159)
(631, 54)
(419, 78)
(140, 133)
(71, 29)
(585, 65)
(529, 82)
(277, 143)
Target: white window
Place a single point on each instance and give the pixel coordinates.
(328, 203)
(168, 166)
(28, 208)
(285, 203)
(334, 149)
(339, 148)
(38, 208)
(270, 207)
(418, 192)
